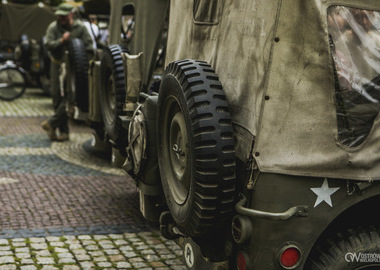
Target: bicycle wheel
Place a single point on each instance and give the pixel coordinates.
(12, 83)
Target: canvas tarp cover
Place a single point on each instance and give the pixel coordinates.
(18, 19)
(150, 18)
(274, 61)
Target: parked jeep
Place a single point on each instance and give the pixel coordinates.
(260, 148)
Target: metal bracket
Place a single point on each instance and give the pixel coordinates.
(297, 211)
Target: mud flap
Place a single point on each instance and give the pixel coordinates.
(193, 258)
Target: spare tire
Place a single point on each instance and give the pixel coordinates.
(196, 148)
(44, 67)
(25, 52)
(77, 73)
(112, 95)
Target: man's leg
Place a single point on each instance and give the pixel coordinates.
(50, 125)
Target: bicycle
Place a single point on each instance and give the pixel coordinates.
(12, 78)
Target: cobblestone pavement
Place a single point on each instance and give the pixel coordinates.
(62, 208)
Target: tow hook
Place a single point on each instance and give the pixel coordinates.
(167, 226)
(296, 211)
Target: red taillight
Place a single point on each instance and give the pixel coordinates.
(290, 257)
(241, 261)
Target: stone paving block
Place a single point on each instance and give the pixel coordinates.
(61, 250)
(26, 261)
(88, 242)
(22, 250)
(100, 259)
(53, 239)
(66, 261)
(121, 242)
(49, 267)
(28, 267)
(38, 246)
(117, 258)
(45, 260)
(96, 253)
(42, 253)
(37, 240)
(22, 255)
(8, 267)
(65, 255)
(56, 244)
(3, 242)
(139, 264)
(6, 259)
(121, 265)
(83, 257)
(19, 244)
(71, 267)
(130, 254)
(84, 237)
(92, 247)
(112, 251)
(104, 264)
(87, 265)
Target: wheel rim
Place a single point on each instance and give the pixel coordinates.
(12, 83)
(110, 100)
(176, 148)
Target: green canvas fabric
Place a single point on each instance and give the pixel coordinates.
(273, 59)
(18, 19)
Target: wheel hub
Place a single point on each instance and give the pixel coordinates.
(179, 158)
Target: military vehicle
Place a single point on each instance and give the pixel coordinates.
(259, 149)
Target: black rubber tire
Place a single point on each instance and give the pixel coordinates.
(25, 52)
(44, 76)
(198, 173)
(334, 253)
(44, 58)
(112, 95)
(12, 83)
(77, 73)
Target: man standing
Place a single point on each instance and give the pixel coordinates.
(93, 29)
(58, 35)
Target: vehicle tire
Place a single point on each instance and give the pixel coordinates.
(339, 254)
(44, 67)
(25, 52)
(77, 73)
(112, 94)
(12, 83)
(195, 148)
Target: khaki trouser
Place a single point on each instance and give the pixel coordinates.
(60, 118)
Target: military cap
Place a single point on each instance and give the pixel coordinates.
(64, 9)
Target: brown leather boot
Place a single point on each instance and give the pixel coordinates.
(63, 137)
(49, 130)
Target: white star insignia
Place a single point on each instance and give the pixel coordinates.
(324, 193)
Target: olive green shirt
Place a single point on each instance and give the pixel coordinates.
(55, 31)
